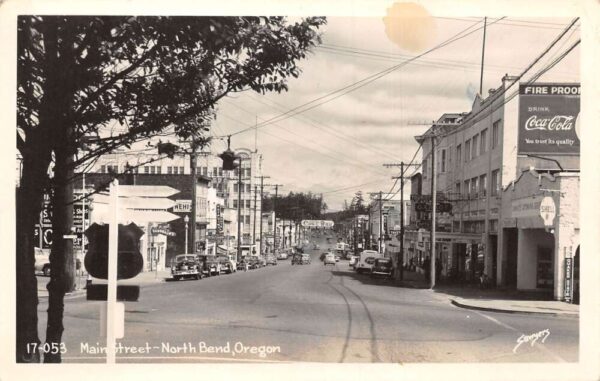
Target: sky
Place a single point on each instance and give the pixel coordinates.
(340, 147)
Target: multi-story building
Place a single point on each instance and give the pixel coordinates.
(490, 220)
(221, 192)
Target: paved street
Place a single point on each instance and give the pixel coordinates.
(311, 313)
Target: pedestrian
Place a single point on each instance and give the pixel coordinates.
(427, 267)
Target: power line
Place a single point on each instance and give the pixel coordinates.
(326, 128)
(365, 81)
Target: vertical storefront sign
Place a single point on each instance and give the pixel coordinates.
(548, 119)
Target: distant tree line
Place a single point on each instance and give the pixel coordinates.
(296, 206)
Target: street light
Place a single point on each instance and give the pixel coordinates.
(186, 219)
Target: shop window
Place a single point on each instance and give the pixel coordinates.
(545, 272)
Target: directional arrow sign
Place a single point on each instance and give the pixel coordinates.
(149, 191)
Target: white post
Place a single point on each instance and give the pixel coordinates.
(111, 300)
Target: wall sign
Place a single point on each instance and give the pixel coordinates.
(548, 116)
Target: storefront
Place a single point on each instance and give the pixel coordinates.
(539, 236)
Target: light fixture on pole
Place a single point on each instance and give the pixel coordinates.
(186, 219)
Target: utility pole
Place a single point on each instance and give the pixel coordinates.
(260, 232)
(380, 222)
(401, 177)
(254, 219)
(380, 238)
(239, 211)
(193, 159)
(275, 214)
(433, 208)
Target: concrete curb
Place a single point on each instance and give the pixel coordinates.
(501, 310)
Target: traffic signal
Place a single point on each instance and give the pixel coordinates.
(228, 157)
(130, 261)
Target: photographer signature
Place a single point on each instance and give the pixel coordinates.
(532, 339)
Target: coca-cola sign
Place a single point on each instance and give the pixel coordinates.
(548, 119)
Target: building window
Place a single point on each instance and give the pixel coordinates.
(248, 202)
(220, 172)
(247, 220)
(170, 170)
(474, 147)
(235, 204)
(146, 169)
(152, 169)
(102, 168)
(205, 171)
(215, 171)
(483, 142)
(443, 169)
(181, 170)
(495, 182)
(425, 169)
(248, 189)
(466, 188)
(457, 189)
(483, 185)
(495, 133)
(467, 150)
(235, 188)
(474, 186)
(158, 169)
(458, 154)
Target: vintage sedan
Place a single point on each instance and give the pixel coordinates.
(186, 266)
(382, 267)
(227, 265)
(210, 265)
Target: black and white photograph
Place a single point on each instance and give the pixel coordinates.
(387, 189)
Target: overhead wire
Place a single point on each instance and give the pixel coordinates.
(363, 82)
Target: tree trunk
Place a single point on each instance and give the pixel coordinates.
(62, 264)
(29, 205)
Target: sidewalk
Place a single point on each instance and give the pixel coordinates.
(495, 299)
(146, 277)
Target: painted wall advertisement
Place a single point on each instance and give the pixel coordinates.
(549, 119)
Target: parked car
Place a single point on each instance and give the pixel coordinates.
(383, 267)
(329, 259)
(186, 266)
(271, 260)
(227, 265)
(337, 258)
(283, 254)
(210, 265)
(297, 259)
(42, 261)
(305, 259)
(253, 263)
